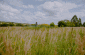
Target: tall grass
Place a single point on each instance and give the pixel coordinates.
(43, 41)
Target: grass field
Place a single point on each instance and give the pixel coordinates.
(42, 41)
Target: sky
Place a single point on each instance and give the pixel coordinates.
(41, 11)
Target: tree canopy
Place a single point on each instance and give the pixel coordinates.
(74, 22)
(84, 24)
(61, 24)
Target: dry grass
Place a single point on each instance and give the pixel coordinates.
(43, 41)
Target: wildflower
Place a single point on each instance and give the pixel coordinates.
(30, 44)
(22, 40)
(14, 43)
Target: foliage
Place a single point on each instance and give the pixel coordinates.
(75, 22)
(33, 24)
(61, 24)
(19, 24)
(68, 23)
(4, 25)
(44, 25)
(80, 24)
(84, 24)
(52, 24)
(11, 24)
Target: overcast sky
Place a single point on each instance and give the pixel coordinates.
(41, 11)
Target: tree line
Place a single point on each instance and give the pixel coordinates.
(5, 24)
(74, 22)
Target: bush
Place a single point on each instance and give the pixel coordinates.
(44, 25)
(52, 24)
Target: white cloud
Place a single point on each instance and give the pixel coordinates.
(57, 6)
(8, 8)
(39, 14)
(46, 13)
(18, 3)
(59, 9)
(15, 2)
(29, 6)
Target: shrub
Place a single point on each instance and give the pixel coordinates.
(52, 24)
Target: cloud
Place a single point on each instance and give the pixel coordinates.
(8, 13)
(75, 1)
(29, 6)
(56, 8)
(39, 0)
(8, 8)
(18, 3)
(50, 11)
(60, 10)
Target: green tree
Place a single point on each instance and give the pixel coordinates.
(84, 24)
(68, 23)
(19, 24)
(61, 24)
(80, 24)
(72, 24)
(52, 24)
(11, 24)
(4, 25)
(75, 20)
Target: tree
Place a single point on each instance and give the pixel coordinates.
(68, 23)
(4, 25)
(80, 24)
(72, 24)
(44, 25)
(52, 24)
(11, 24)
(19, 24)
(36, 24)
(61, 24)
(84, 24)
(75, 20)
